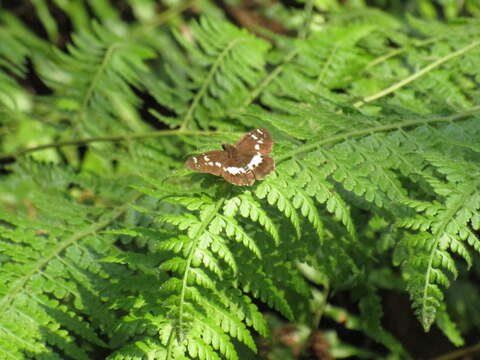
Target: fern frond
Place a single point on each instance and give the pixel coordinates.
(219, 77)
(235, 231)
(54, 278)
(201, 318)
(248, 207)
(264, 289)
(376, 144)
(444, 229)
(109, 65)
(277, 194)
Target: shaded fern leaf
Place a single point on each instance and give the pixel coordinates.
(109, 65)
(443, 230)
(371, 309)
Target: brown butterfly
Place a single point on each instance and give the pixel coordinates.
(239, 164)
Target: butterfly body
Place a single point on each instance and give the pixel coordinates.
(240, 164)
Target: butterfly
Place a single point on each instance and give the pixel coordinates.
(240, 164)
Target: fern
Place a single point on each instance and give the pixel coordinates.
(108, 247)
(444, 230)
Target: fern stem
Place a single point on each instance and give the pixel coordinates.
(198, 233)
(20, 283)
(416, 75)
(268, 79)
(101, 69)
(461, 353)
(395, 52)
(308, 20)
(372, 130)
(317, 316)
(163, 17)
(326, 65)
(208, 80)
(113, 138)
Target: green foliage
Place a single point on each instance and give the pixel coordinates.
(111, 248)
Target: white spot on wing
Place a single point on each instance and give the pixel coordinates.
(257, 147)
(210, 163)
(218, 164)
(254, 137)
(259, 131)
(195, 161)
(256, 160)
(235, 170)
(260, 141)
(206, 158)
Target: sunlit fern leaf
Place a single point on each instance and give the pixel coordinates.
(233, 230)
(246, 310)
(60, 257)
(311, 177)
(217, 245)
(192, 291)
(198, 349)
(277, 195)
(248, 207)
(264, 289)
(302, 201)
(220, 76)
(228, 322)
(210, 333)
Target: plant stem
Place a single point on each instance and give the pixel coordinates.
(418, 74)
(114, 138)
(376, 129)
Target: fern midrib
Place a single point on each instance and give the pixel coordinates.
(113, 138)
(268, 79)
(193, 248)
(416, 75)
(96, 77)
(437, 235)
(393, 185)
(208, 80)
(18, 285)
(326, 65)
(385, 57)
(93, 85)
(376, 129)
(160, 19)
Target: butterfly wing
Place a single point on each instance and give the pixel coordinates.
(211, 162)
(241, 164)
(264, 168)
(221, 163)
(257, 140)
(238, 176)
